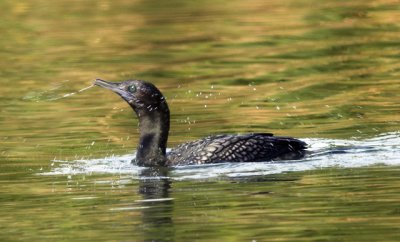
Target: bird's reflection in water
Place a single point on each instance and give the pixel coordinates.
(157, 222)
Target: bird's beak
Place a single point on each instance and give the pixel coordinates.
(116, 87)
(113, 86)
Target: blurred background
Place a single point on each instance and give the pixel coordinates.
(298, 68)
(302, 68)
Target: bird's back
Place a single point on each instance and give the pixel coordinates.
(236, 148)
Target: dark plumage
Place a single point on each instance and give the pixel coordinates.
(153, 113)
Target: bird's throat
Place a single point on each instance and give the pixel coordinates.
(154, 128)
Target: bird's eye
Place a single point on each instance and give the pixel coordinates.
(132, 88)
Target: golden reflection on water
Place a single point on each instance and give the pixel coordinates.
(327, 69)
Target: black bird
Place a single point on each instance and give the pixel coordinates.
(153, 113)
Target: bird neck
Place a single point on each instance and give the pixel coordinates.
(154, 128)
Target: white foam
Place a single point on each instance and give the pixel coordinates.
(324, 153)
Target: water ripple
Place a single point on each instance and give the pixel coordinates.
(324, 153)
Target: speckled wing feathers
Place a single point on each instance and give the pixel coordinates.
(236, 148)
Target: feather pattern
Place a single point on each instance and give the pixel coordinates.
(236, 148)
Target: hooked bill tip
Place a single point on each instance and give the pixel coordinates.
(109, 85)
(97, 81)
(102, 83)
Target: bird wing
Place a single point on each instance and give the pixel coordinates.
(235, 148)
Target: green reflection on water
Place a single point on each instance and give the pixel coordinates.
(301, 68)
(333, 204)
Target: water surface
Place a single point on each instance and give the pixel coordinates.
(323, 71)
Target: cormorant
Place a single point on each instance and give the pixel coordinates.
(152, 110)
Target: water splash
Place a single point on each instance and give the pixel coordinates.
(72, 93)
(324, 153)
(52, 93)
